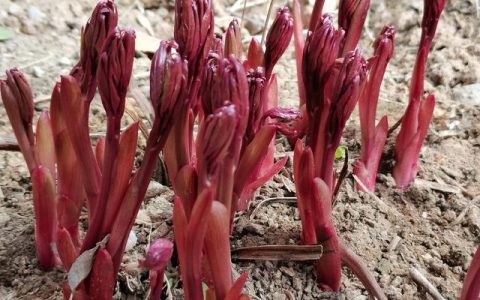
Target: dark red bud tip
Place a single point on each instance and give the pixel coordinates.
(16, 90)
(216, 139)
(100, 25)
(347, 90)
(384, 44)
(278, 38)
(224, 80)
(115, 70)
(168, 75)
(233, 40)
(321, 49)
(193, 27)
(157, 255)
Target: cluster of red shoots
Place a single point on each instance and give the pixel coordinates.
(201, 81)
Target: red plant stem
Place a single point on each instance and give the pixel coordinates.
(89, 169)
(111, 151)
(178, 143)
(299, 43)
(217, 249)
(225, 185)
(156, 284)
(316, 14)
(134, 195)
(355, 263)
(471, 285)
(320, 147)
(44, 205)
(122, 170)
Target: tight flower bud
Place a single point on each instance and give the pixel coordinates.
(101, 24)
(193, 30)
(18, 101)
(278, 39)
(233, 40)
(346, 92)
(351, 17)
(115, 70)
(168, 76)
(157, 255)
(321, 48)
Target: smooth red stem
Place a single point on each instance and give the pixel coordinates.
(135, 194)
(111, 151)
(299, 43)
(316, 14)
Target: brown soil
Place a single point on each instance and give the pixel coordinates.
(432, 226)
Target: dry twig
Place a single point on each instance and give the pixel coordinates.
(423, 282)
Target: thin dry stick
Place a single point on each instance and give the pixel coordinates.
(279, 253)
(8, 143)
(266, 22)
(462, 214)
(422, 281)
(394, 127)
(36, 62)
(133, 114)
(272, 200)
(243, 12)
(343, 174)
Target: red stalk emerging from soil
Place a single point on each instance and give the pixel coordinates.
(417, 117)
(471, 285)
(331, 96)
(39, 152)
(332, 90)
(373, 137)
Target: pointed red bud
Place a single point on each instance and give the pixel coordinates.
(168, 80)
(193, 29)
(225, 80)
(115, 70)
(233, 40)
(256, 85)
(255, 55)
(346, 93)
(101, 24)
(157, 255)
(351, 17)
(18, 101)
(320, 52)
(278, 39)
(216, 137)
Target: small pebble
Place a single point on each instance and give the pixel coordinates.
(28, 28)
(35, 14)
(14, 9)
(38, 72)
(64, 61)
(154, 189)
(255, 228)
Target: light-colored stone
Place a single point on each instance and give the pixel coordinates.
(154, 189)
(35, 14)
(14, 9)
(65, 61)
(467, 94)
(38, 72)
